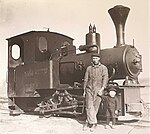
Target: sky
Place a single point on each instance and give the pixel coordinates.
(72, 18)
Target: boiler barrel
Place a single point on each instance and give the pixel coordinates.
(122, 61)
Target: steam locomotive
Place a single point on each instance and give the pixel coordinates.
(47, 75)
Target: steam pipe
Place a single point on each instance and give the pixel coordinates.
(119, 15)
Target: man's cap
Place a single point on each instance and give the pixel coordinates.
(95, 55)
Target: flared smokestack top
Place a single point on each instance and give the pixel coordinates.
(119, 15)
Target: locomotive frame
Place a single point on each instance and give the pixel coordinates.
(48, 75)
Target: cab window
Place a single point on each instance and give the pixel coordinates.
(42, 44)
(15, 51)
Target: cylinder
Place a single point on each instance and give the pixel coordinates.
(119, 15)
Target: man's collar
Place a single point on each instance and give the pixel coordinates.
(96, 65)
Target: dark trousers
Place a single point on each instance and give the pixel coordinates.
(110, 113)
(108, 121)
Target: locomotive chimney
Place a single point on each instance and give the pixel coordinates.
(119, 15)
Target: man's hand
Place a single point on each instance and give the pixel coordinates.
(100, 93)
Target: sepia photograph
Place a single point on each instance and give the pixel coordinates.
(74, 67)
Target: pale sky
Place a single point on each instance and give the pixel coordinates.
(72, 18)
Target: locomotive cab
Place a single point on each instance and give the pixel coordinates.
(36, 66)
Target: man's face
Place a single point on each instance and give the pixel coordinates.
(95, 60)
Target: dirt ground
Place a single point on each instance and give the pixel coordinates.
(32, 124)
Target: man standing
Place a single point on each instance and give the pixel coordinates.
(95, 80)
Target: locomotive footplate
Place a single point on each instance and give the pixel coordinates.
(61, 102)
